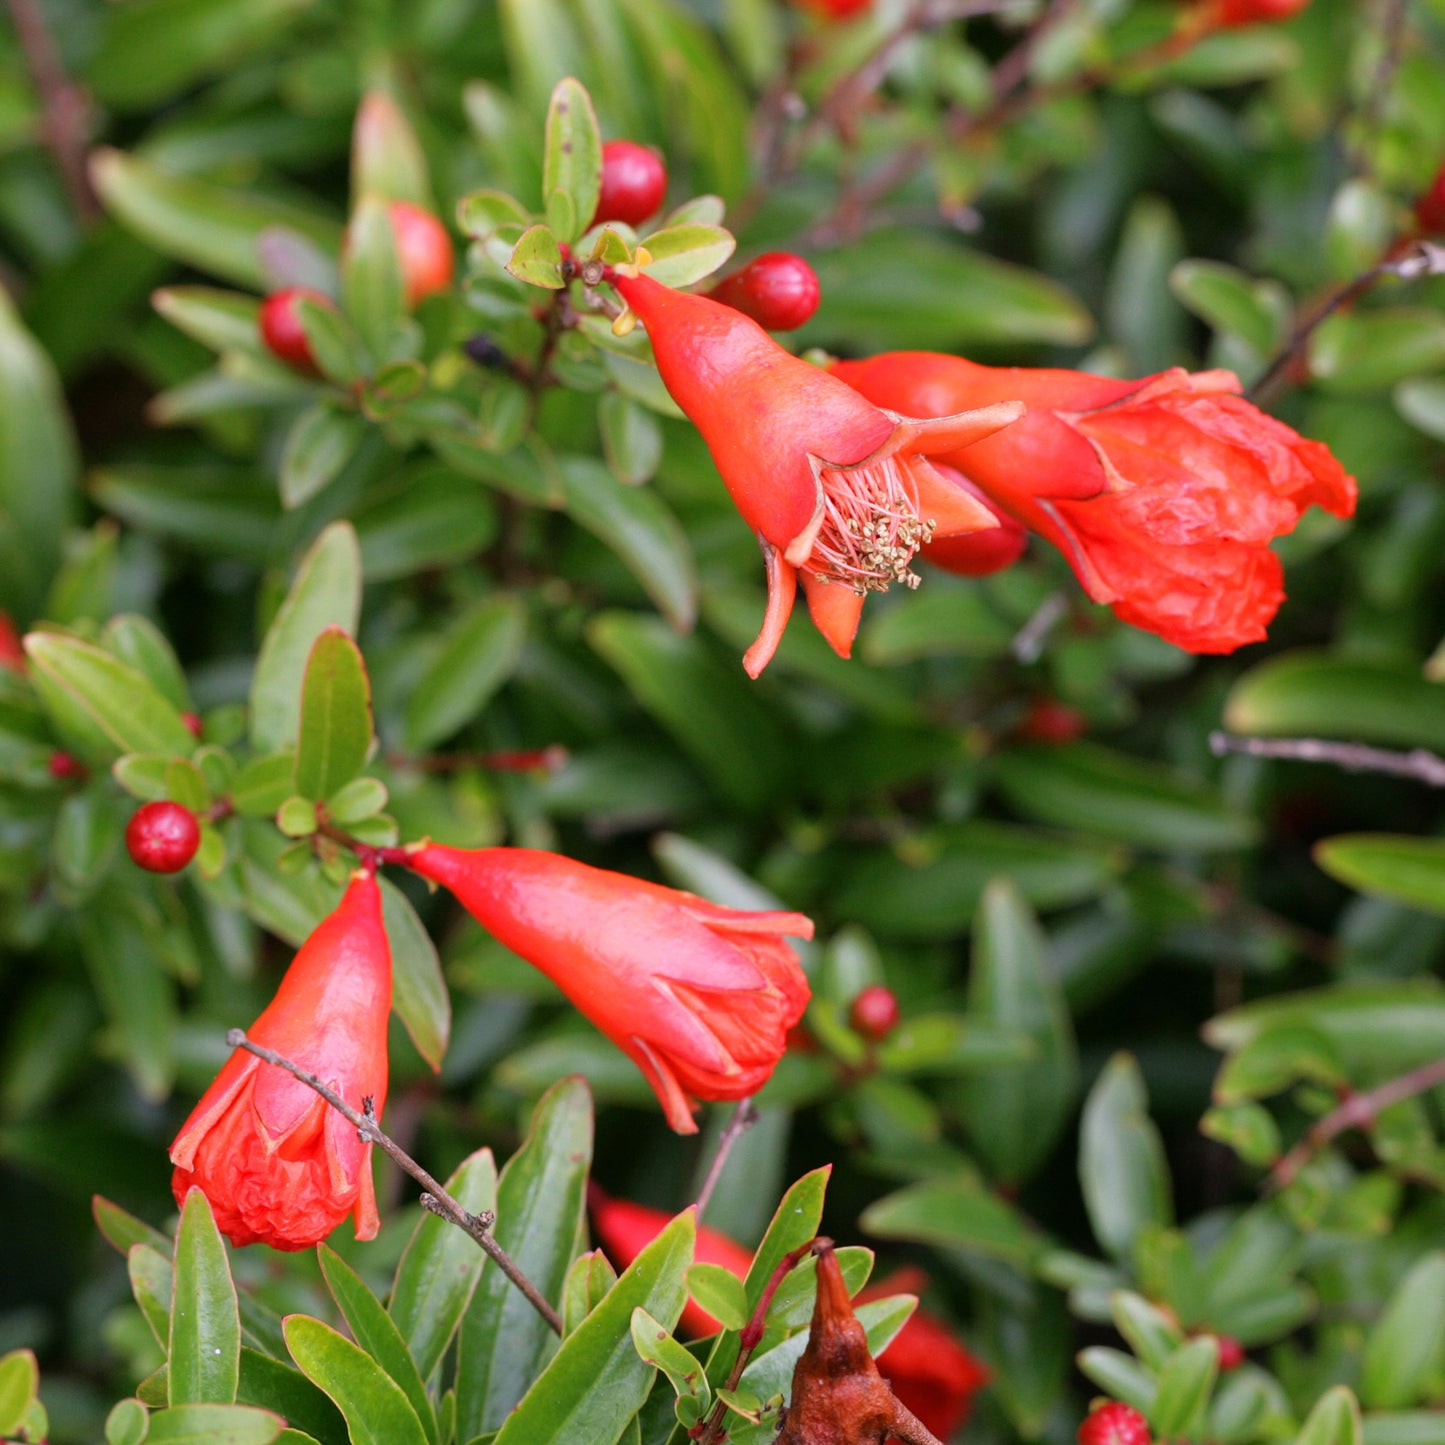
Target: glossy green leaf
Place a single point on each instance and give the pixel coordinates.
(121, 1229)
(1405, 1348)
(597, 1382)
(1232, 302)
(151, 1275)
(19, 1381)
(957, 1211)
(322, 441)
(271, 1385)
(683, 255)
(138, 641)
(215, 509)
(376, 1408)
(537, 259)
(478, 652)
(655, 1346)
(720, 1292)
(1335, 1420)
(1120, 1375)
(440, 1267)
(1364, 351)
(1152, 1334)
(1091, 788)
(588, 1281)
(214, 1425)
(540, 1201)
(419, 991)
(326, 592)
(1014, 1115)
(1184, 1386)
(126, 1424)
(335, 733)
(372, 290)
(1409, 870)
(631, 438)
(221, 320)
(1122, 1168)
(375, 1331)
(204, 1354)
(572, 157)
(263, 784)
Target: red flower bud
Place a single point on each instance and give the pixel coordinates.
(193, 723)
(1232, 13)
(1163, 494)
(1430, 208)
(424, 250)
(698, 996)
(778, 290)
(874, 1013)
(12, 655)
(1050, 721)
(625, 1229)
(634, 182)
(281, 327)
(1231, 1354)
(1114, 1424)
(162, 837)
(65, 767)
(833, 9)
(977, 554)
(277, 1162)
(837, 490)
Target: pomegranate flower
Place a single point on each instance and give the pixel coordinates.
(837, 489)
(625, 1229)
(700, 997)
(277, 1162)
(1163, 494)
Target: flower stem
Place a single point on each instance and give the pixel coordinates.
(743, 1119)
(1418, 764)
(435, 1197)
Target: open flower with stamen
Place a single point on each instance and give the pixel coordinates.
(839, 492)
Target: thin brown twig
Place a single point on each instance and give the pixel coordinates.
(1357, 1111)
(64, 106)
(435, 1198)
(743, 1119)
(1418, 764)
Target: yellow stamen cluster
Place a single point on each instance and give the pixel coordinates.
(871, 528)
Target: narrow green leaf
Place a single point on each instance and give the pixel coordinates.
(121, 1229)
(1151, 1334)
(588, 1281)
(270, 1385)
(214, 1425)
(138, 641)
(1122, 1168)
(371, 281)
(960, 1211)
(419, 991)
(720, 1292)
(376, 1408)
(204, 1356)
(631, 438)
(150, 1275)
(683, 255)
(1120, 1375)
(656, 1347)
(336, 733)
(1409, 870)
(220, 320)
(325, 593)
(1405, 1349)
(19, 1381)
(321, 442)
(572, 156)
(386, 157)
(1335, 1420)
(1184, 1387)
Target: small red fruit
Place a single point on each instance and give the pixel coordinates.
(65, 767)
(833, 9)
(1050, 721)
(281, 327)
(12, 655)
(1430, 208)
(874, 1013)
(1233, 13)
(1231, 1353)
(1115, 1424)
(425, 251)
(193, 723)
(778, 290)
(634, 181)
(162, 837)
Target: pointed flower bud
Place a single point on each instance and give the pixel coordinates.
(625, 1229)
(277, 1162)
(1163, 494)
(700, 997)
(837, 489)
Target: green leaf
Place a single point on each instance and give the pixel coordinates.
(121, 1229)
(19, 1382)
(1335, 1420)
(537, 259)
(1364, 351)
(1122, 1168)
(957, 1211)
(372, 289)
(215, 509)
(321, 442)
(376, 1408)
(1014, 1115)
(263, 785)
(386, 157)
(709, 707)
(335, 733)
(204, 1355)
(151, 1275)
(572, 157)
(655, 1346)
(588, 1281)
(478, 652)
(214, 1425)
(271, 1385)
(1233, 303)
(631, 438)
(212, 228)
(138, 641)
(120, 701)
(1184, 1387)
(540, 1202)
(428, 517)
(297, 817)
(1152, 1334)
(720, 1292)
(597, 1382)
(325, 593)
(377, 1334)
(683, 255)
(357, 800)
(1409, 870)
(440, 1267)
(419, 991)
(1275, 1060)
(39, 467)
(1120, 1375)
(1405, 1349)
(1319, 694)
(220, 320)
(480, 213)
(636, 524)
(126, 1424)
(1091, 788)
(333, 341)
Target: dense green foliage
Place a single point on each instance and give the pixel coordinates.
(1127, 985)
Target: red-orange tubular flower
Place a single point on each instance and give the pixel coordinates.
(277, 1162)
(1163, 494)
(625, 1229)
(837, 489)
(700, 997)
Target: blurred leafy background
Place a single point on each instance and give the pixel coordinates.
(1158, 939)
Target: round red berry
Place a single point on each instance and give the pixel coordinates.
(1050, 721)
(1430, 208)
(281, 327)
(424, 249)
(834, 9)
(162, 837)
(1115, 1424)
(1231, 1353)
(64, 766)
(193, 723)
(1258, 12)
(874, 1013)
(778, 290)
(634, 181)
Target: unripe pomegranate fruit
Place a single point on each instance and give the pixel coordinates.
(65, 767)
(281, 327)
(874, 1013)
(1231, 1354)
(1114, 1424)
(424, 249)
(162, 837)
(634, 181)
(778, 290)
